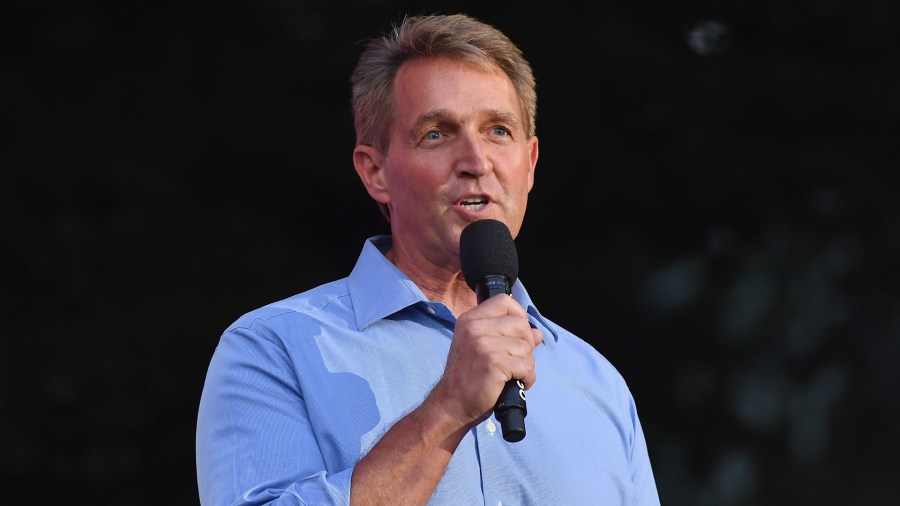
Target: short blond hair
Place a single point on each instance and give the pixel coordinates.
(456, 36)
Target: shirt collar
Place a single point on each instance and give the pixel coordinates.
(521, 296)
(379, 289)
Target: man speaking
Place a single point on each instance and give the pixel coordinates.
(383, 387)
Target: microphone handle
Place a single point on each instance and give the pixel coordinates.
(510, 409)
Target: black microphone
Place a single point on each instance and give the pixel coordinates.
(490, 265)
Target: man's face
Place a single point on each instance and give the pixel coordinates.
(458, 154)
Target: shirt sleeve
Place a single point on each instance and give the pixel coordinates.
(641, 471)
(255, 444)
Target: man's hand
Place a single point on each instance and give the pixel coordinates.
(492, 344)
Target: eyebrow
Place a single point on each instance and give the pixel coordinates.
(442, 115)
(434, 116)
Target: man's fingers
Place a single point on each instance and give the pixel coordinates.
(537, 335)
(498, 305)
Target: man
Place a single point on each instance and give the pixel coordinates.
(379, 388)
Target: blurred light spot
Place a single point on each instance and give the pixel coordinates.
(709, 37)
(732, 480)
(810, 408)
(734, 477)
(750, 298)
(673, 286)
(818, 302)
(757, 395)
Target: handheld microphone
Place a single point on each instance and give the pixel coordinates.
(490, 265)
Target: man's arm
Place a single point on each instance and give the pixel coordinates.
(492, 344)
(255, 444)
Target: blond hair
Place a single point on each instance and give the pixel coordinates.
(456, 36)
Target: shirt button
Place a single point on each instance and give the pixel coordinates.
(499, 503)
(431, 310)
(491, 428)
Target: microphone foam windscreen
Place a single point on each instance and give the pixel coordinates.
(486, 248)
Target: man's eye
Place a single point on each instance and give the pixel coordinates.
(499, 130)
(432, 135)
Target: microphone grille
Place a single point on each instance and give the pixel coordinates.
(486, 247)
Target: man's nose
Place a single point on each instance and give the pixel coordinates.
(473, 158)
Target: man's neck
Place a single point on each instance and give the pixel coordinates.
(439, 283)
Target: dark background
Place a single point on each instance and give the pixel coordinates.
(715, 211)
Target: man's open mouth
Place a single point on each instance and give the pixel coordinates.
(473, 203)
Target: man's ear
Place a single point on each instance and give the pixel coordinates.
(532, 159)
(368, 162)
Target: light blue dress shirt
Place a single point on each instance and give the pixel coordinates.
(298, 391)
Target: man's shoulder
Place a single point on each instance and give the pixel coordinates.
(581, 353)
(329, 299)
